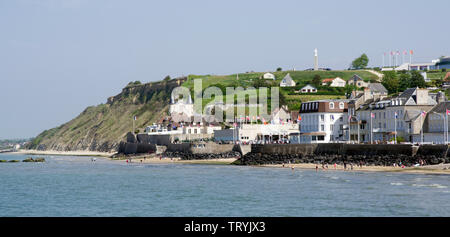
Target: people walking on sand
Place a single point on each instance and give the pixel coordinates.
(335, 166)
(317, 167)
(345, 166)
(351, 166)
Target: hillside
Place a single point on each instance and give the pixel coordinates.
(102, 127)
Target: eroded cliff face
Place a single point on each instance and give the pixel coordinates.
(103, 127)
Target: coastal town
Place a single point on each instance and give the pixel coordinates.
(369, 115)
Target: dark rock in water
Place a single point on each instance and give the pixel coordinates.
(30, 159)
(13, 161)
(3, 161)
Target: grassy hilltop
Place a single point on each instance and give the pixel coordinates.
(102, 127)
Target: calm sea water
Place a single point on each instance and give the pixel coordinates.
(75, 186)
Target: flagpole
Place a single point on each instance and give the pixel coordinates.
(421, 130)
(349, 129)
(358, 129)
(446, 126)
(371, 130)
(395, 128)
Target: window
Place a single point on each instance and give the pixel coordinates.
(341, 105)
(331, 105)
(331, 127)
(341, 119)
(322, 117)
(322, 127)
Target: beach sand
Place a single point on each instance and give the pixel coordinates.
(430, 169)
(154, 159)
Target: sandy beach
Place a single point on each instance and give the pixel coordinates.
(63, 153)
(431, 169)
(152, 159)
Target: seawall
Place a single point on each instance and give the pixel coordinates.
(369, 154)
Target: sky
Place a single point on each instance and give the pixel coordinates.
(59, 56)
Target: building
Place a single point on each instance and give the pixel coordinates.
(443, 63)
(181, 108)
(387, 117)
(377, 89)
(258, 133)
(357, 81)
(280, 115)
(334, 82)
(435, 127)
(287, 81)
(308, 89)
(323, 121)
(269, 75)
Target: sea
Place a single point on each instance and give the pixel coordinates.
(78, 186)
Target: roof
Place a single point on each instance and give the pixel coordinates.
(328, 79)
(441, 107)
(309, 86)
(447, 76)
(356, 77)
(287, 79)
(377, 87)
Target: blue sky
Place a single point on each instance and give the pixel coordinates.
(58, 57)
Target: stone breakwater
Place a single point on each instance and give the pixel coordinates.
(200, 156)
(377, 155)
(376, 160)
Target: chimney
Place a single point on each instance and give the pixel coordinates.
(421, 96)
(367, 94)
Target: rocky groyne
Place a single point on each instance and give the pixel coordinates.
(376, 155)
(201, 156)
(378, 160)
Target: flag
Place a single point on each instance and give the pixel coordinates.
(411, 52)
(372, 115)
(447, 111)
(299, 118)
(396, 114)
(349, 118)
(398, 52)
(423, 113)
(405, 52)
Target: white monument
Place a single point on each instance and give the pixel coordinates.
(316, 60)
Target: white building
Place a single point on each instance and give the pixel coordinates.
(183, 107)
(287, 81)
(323, 121)
(334, 82)
(269, 75)
(308, 89)
(259, 133)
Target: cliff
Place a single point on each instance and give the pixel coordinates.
(103, 127)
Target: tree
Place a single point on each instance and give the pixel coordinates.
(316, 80)
(417, 80)
(361, 62)
(167, 78)
(279, 69)
(390, 81)
(404, 81)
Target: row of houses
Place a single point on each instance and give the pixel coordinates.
(370, 116)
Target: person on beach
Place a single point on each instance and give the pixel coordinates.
(351, 166)
(335, 166)
(317, 167)
(345, 166)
